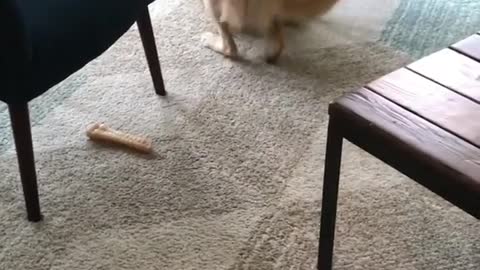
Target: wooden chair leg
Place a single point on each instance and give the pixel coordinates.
(20, 119)
(148, 40)
(330, 194)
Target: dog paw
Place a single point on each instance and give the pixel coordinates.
(215, 43)
(211, 41)
(272, 56)
(230, 52)
(272, 59)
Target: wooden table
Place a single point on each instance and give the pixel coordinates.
(423, 120)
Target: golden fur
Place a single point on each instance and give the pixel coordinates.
(265, 17)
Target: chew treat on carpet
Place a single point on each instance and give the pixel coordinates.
(102, 132)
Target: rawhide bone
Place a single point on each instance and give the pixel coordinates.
(104, 133)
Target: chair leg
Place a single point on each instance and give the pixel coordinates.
(148, 40)
(20, 119)
(330, 194)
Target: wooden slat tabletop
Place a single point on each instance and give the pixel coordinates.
(453, 70)
(469, 46)
(433, 102)
(429, 112)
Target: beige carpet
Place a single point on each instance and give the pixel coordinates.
(237, 176)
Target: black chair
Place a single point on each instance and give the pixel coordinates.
(42, 42)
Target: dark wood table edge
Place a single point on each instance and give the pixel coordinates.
(354, 127)
(442, 171)
(372, 139)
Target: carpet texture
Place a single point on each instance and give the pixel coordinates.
(237, 176)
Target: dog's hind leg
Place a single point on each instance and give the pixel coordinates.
(275, 42)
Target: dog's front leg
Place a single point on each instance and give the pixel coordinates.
(224, 42)
(229, 46)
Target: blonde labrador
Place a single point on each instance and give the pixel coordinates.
(262, 17)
